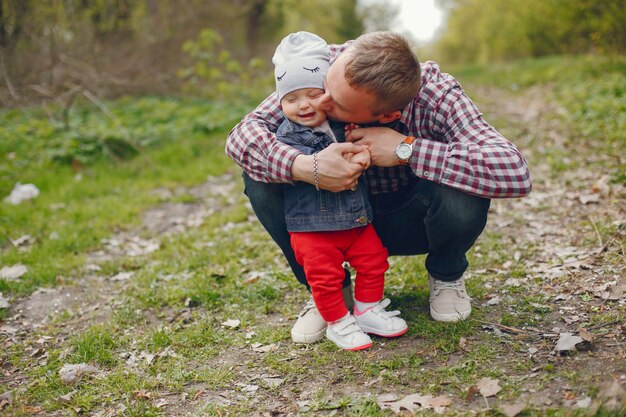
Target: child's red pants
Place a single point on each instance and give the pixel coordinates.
(322, 254)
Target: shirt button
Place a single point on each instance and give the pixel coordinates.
(426, 174)
(362, 220)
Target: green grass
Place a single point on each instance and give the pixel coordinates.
(591, 91)
(77, 209)
(161, 331)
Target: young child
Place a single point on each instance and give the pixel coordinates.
(329, 228)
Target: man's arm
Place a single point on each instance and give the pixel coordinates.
(253, 146)
(471, 155)
(476, 158)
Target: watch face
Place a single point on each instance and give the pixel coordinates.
(404, 151)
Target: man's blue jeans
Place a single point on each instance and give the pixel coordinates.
(423, 218)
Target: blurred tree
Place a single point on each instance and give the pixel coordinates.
(114, 47)
(481, 31)
(379, 15)
(12, 16)
(350, 20)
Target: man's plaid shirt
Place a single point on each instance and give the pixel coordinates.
(454, 147)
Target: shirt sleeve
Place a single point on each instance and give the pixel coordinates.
(469, 154)
(252, 142)
(253, 146)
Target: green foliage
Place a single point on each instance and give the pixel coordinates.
(482, 31)
(216, 74)
(95, 345)
(75, 210)
(589, 88)
(29, 139)
(175, 304)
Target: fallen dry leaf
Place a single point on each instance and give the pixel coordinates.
(567, 342)
(589, 198)
(584, 402)
(488, 387)
(199, 394)
(122, 276)
(143, 394)
(22, 192)
(232, 323)
(387, 397)
(32, 409)
(11, 273)
(439, 403)
(66, 398)
(471, 392)
(413, 403)
(259, 348)
(253, 277)
(462, 343)
(250, 389)
(6, 399)
(585, 334)
(511, 410)
(494, 301)
(22, 241)
(4, 303)
(161, 403)
(72, 373)
(273, 381)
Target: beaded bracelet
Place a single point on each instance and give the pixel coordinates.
(316, 177)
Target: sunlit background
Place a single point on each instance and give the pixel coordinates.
(218, 49)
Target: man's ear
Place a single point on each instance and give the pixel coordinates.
(389, 117)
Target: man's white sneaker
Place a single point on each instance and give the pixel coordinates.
(376, 320)
(347, 334)
(310, 326)
(449, 301)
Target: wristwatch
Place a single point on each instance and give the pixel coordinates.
(405, 150)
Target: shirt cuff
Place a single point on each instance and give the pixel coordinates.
(428, 159)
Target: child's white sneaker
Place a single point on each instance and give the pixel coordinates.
(347, 334)
(376, 320)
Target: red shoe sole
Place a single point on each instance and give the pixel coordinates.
(366, 346)
(390, 335)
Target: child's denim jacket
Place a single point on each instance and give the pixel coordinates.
(309, 210)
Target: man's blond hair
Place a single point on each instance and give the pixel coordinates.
(384, 64)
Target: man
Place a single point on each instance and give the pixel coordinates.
(436, 164)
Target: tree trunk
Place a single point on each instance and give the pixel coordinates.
(254, 25)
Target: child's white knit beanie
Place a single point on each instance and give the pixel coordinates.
(300, 61)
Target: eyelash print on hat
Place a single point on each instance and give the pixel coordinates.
(281, 77)
(316, 69)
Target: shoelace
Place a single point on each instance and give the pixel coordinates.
(310, 305)
(449, 285)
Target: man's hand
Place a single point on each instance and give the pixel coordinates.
(335, 172)
(362, 158)
(381, 142)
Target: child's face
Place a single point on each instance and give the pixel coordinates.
(300, 106)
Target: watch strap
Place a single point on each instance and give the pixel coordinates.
(409, 141)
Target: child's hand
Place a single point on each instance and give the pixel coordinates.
(349, 127)
(362, 158)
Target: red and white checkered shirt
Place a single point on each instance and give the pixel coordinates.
(454, 147)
